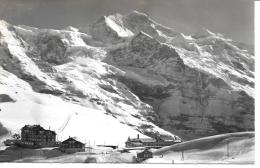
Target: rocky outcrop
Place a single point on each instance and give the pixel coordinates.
(59, 63)
(5, 98)
(193, 102)
(110, 29)
(147, 76)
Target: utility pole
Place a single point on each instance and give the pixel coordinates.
(89, 150)
(182, 155)
(227, 149)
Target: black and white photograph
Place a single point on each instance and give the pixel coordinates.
(127, 82)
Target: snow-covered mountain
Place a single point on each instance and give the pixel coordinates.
(123, 75)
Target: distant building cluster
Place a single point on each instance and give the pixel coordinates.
(35, 136)
(150, 142)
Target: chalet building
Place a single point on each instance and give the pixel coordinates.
(151, 142)
(71, 145)
(145, 154)
(36, 136)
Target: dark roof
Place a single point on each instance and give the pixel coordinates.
(142, 139)
(33, 127)
(37, 128)
(71, 139)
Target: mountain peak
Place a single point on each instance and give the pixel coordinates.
(137, 13)
(203, 33)
(4, 23)
(70, 28)
(110, 29)
(137, 17)
(134, 71)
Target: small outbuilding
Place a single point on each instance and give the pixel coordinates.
(71, 145)
(145, 154)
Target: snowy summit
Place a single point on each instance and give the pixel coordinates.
(124, 75)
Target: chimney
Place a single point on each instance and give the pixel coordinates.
(137, 136)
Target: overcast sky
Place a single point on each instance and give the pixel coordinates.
(233, 18)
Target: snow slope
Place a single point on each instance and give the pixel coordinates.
(125, 75)
(54, 78)
(225, 148)
(66, 118)
(199, 85)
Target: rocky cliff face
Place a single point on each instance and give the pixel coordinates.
(61, 64)
(147, 76)
(199, 85)
(190, 101)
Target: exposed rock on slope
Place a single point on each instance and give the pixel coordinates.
(110, 27)
(62, 64)
(147, 76)
(199, 85)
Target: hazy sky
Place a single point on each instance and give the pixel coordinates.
(233, 18)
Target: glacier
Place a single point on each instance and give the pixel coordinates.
(125, 75)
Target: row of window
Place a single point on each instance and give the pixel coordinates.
(37, 136)
(72, 146)
(149, 144)
(36, 132)
(28, 143)
(38, 139)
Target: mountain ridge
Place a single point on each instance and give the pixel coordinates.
(146, 76)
